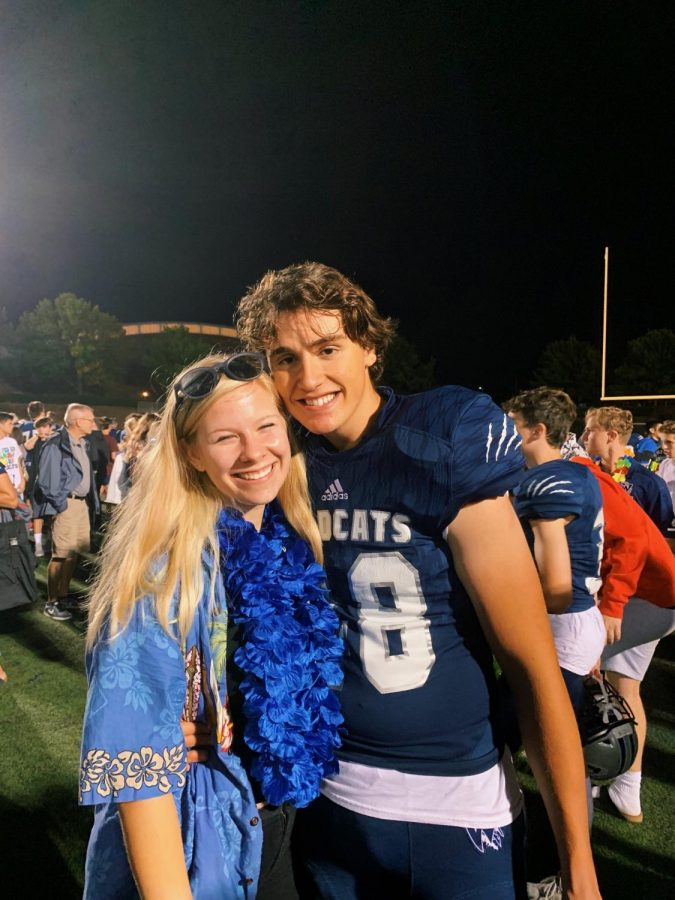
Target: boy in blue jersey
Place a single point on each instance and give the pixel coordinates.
(560, 506)
(425, 560)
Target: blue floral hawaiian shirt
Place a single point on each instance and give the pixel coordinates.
(140, 685)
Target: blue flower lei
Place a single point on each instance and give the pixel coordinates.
(290, 655)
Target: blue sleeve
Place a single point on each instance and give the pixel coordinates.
(49, 475)
(652, 494)
(132, 745)
(486, 457)
(645, 450)
(549, 494)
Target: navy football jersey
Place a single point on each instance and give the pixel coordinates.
(419, 693)
(555, 490)
(651, 493)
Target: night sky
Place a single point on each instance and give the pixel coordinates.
(465, 162)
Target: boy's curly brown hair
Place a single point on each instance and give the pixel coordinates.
(315, 287)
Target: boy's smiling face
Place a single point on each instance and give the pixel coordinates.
(323, 376)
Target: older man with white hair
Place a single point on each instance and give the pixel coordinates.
(66, 489)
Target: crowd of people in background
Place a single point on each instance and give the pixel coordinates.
(67, 477)
(598, 511)
(113, 453)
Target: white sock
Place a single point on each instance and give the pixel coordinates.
(624, 792)
(38, 538)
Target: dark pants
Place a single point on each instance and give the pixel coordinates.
(342, 855)
(575, 688)
(276, 870)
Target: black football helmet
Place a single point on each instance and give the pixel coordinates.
(608, 733)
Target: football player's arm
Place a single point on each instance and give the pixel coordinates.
(552, 555)
(494, 562)
(154, 846)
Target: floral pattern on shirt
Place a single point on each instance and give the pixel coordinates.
(133, 769)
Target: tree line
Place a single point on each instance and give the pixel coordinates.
(647, 367)
(69, 344)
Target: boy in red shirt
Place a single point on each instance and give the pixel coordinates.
(637, 563)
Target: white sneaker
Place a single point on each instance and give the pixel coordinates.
(39, 550)
(548, 889)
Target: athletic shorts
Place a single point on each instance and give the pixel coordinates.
(71, 530)
(643, 626)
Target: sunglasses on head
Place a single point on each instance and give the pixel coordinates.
(199, 383)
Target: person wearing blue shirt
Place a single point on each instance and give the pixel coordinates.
(210, 607)
(560, 507)
(430, 572)
(35, 410)
(647, 447)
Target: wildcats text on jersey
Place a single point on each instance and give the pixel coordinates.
(372, 525)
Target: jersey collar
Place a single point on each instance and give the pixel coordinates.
(316, 443)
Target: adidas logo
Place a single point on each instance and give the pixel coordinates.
(335, 491)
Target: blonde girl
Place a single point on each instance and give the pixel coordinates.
(209, 607)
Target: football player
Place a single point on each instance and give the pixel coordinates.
(560, 507)
(431, 573)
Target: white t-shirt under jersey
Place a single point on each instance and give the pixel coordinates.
(491, 799)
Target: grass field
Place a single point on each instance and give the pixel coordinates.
(43, 833)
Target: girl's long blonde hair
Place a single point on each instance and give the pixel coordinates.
(158, 534)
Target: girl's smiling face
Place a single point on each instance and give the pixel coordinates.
(242, 444)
